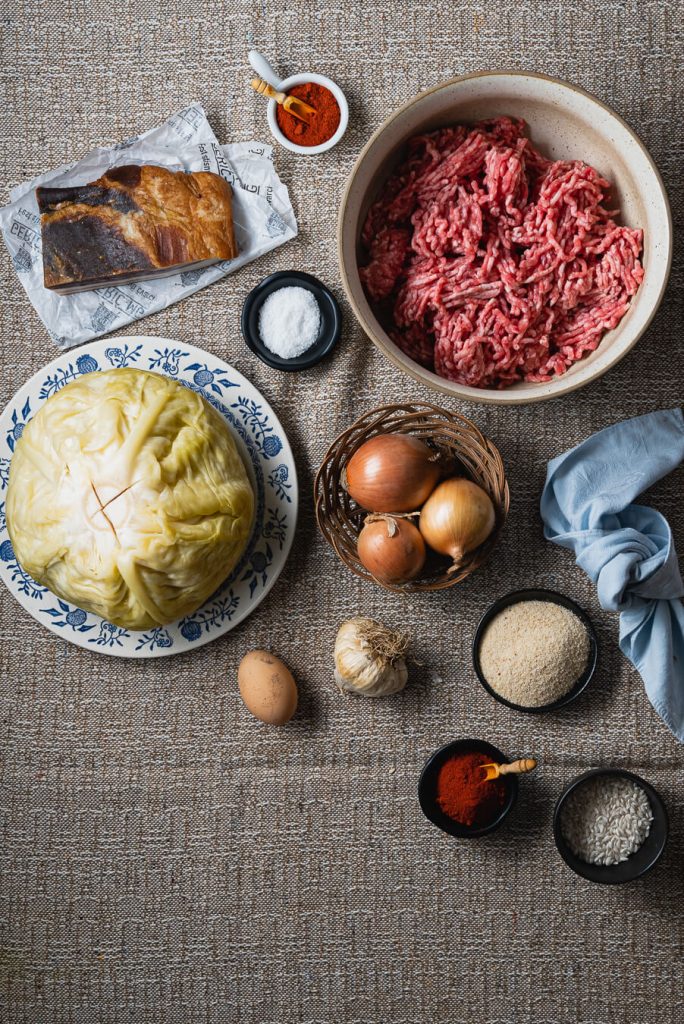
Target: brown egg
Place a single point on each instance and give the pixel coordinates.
(267, 687)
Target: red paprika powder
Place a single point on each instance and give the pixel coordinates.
(465, 795)
(322, 127)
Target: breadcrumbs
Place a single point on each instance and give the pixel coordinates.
(533, 652)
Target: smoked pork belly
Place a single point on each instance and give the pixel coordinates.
(132, 224)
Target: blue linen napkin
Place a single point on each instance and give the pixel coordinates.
(626, 549)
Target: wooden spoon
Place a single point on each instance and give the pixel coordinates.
(298, 108)
(493, 771)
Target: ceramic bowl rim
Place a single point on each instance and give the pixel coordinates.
(601, 873)
(553, 597)
(505, 396)
(300, 79)
(319, 350)
(429, 806)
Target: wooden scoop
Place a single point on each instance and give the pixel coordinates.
(493, 771)
(298, 108)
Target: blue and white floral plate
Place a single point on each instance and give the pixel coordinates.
(267, 455)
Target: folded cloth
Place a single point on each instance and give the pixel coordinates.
(627, 549)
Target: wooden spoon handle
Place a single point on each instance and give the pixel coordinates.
(298, 108)
(523, 764)
(267, 90)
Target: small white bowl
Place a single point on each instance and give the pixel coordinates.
(285, 86)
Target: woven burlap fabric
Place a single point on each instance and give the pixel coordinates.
(166, 858)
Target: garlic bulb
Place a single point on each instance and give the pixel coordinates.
(369, 658)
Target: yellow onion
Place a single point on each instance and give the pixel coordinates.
(392, 473)
(457, 517)
(392, 550)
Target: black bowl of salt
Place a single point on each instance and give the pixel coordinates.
(291, 321)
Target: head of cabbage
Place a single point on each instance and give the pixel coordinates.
(128, 498)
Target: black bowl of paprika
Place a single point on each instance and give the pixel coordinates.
(454, 794)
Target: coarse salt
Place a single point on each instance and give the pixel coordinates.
(289, 322)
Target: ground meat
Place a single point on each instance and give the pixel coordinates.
(491, 264)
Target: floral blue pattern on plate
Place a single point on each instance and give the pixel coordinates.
(269, 461)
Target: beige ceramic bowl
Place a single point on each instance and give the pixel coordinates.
(565, 123)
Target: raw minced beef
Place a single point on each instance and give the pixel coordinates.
(494, 264)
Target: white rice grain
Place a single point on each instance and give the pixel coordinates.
(606, 820)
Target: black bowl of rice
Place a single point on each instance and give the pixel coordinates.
(610, 826)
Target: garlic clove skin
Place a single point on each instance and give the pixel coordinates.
(362, 668)
(391, 679)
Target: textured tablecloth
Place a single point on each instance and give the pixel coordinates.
(166, 858)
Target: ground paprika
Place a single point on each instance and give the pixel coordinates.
(323, 126)
(464, 794)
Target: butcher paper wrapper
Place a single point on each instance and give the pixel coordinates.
(262, 213)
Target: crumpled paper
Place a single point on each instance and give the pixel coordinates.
(262, 213)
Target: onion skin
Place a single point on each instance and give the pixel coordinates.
(392, 473)
(457, 517)
(392, 550)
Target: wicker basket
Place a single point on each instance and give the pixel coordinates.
(340, 519)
